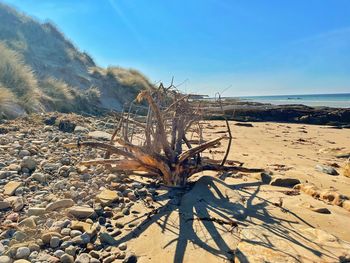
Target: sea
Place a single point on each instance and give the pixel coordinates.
(339, 100)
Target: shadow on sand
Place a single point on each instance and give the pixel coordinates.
(212, 208)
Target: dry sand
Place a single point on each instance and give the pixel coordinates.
(239, 218)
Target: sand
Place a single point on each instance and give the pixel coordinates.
(238, 218)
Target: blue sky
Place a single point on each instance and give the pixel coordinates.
(254, 47)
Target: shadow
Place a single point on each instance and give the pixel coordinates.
(205, 212)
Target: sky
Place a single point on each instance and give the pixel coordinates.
(236, 47)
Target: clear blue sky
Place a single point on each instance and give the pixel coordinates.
(260, 47)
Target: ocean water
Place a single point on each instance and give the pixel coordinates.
(329, 100)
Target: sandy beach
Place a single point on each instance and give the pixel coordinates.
(225, 217)
(275, 224)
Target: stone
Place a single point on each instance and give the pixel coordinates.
(81, 212)
(5, 259)
(100, 135)
(81, 129)
(83, 258)
(132, 197)
(326, 169)
(66, 126)
(17, 203)
(122, 246)
(11, 187)
(29, 163)
(22, 252)
(40, 177)
(21, 261)
(81, 226)
(28, 223)
(346, 169)
(46, 237)
(13, 217)
(109, 259)
(65, 258)
(55, 242)
(346, 205)
(23, 153)
(58, 253)
(4, 205)
(106, 197)
(63, 203)
(106, 238)
(130, 258)
(284, 182)
(36, 211)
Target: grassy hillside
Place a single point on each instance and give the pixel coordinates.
(41, 70)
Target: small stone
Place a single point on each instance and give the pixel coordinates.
(100, 135)
(58, 253)
(122, 246)
(65, 231)
(5, 259)
(326, 169)
(75, 233)
(40, 177)
(13, 217)
(132, 197)
(65, 258)
(83, 258)
(284, 182)
(130, 258)
(17, 203)
(55, 242)
(22, 253)
(20, 236)
(4, 205)
(33, 255)
(28, 223)
(36, 211)
(11, 187)
(64, 203)
(29, 163)
(81, 211)
(126, 211)
(107, 239)
(71, 250)
(106, 197)
(46, 237)
(23, 153)
(81, 226)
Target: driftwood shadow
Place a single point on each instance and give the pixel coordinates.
(210, 205)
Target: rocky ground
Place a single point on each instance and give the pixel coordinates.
(54, 210)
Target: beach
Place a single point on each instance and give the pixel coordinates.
(219, 217)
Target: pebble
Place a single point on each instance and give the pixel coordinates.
(5, 259)
(22, 253)
(66, 258)
(122, 246)
(55, 242)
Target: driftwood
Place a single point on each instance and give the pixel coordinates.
(156, 142)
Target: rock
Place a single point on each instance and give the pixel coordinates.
(346, 205)
(5, 259)
(28, 223)
(40, 177)
(107, 239)
(100, 135)
(50, 121)
(11, 187)
(46, 237)
(63, 203)
(244, 124)
(29, 163)
(20, 236)
(58, 253)
(65, 258)
(81, 226)
(4, 205)
(326, 169)
(83, 258)
(21, 261)
(22, 253)
(346, 169)
(36, 211)
(106, 197)
(263, 177)
(66, 126)
(132, 197)
(23, 153)
(5, 174)
(81, 129)
(54, 241)
(284, 182)
(17, 203)
(109, 259)
(81, 211)
(130, 258)
(13, 217)
(122, 246)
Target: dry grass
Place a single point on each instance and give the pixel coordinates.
(346, 169)
(19, 79)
